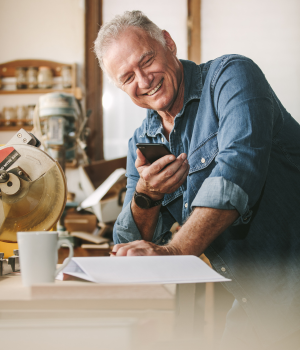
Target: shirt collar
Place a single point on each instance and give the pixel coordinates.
(192, 90)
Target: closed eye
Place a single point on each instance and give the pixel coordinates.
(148, 62)
(129, 79)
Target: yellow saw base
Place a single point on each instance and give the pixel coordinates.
(8, 249)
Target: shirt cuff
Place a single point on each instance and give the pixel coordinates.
(219, 193)
(125, 229)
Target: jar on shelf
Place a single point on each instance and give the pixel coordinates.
(31, 77)
(21, 112)
(66, 74)
(30, 114)
(9, 114)
(20, 73)
(45, 78)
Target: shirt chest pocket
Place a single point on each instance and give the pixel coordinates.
(202, 161)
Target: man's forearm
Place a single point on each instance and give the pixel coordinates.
(145, 220)
(203, 227)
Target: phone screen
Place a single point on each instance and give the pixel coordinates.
(153, 151)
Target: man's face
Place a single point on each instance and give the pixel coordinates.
(148, 72)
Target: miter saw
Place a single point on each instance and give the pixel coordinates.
(33, 189)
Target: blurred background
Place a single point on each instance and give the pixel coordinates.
(268, 31)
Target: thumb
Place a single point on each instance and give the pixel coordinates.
(141, 160)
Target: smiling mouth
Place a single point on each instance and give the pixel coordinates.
(152, 92)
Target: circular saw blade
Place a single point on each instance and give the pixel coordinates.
(39, 203)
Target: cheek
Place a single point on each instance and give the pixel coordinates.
(130, 91)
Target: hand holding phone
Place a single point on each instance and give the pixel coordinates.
(165, 176)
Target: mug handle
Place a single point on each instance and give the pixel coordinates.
(71, 254)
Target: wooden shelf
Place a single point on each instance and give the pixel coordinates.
(7, 70)
(16, 127)
(76, 91)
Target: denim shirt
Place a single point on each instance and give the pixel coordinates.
(243, 148)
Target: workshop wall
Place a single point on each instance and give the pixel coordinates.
(267, 31)
(43, 29)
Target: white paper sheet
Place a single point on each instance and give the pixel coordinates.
(142, 269)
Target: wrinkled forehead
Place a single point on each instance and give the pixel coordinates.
(128, 49)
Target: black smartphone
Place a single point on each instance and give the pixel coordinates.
(153, 151)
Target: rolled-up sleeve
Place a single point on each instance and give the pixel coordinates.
(242, 101)
(219, 193)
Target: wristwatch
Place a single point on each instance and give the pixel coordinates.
(145, 202)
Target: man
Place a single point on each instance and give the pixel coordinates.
(232, 182)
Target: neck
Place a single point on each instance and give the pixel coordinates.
(167, 117)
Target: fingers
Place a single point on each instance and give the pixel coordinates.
(133, 248)
(180, 165)
(137, 252)
(161, 163)
(138, 248)
(166, 166)
(121, 249)
(140, 160)
(178, 179)
(172, 177)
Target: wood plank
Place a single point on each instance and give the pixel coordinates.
(194, 31)
(79, 295)
(93, 74)
(76, 91)
(76, 290)
(7, 69)
(16, 128)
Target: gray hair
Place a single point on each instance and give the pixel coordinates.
(111, 30)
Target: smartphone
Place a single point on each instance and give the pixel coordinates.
(153, 151)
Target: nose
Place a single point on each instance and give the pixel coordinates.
(144, 79)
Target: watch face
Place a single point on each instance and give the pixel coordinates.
(141, 201)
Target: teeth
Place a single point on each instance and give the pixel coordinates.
(154, 90)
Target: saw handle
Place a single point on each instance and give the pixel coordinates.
(71, 254)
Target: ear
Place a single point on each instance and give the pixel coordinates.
(170, 42)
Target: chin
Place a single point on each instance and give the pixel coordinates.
(163, 106)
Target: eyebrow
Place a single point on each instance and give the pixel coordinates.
(148, 53)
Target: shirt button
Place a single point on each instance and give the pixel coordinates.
(186, 205)
(244, 300)
(162, 139)
(202, 160)
(223, 269)
(174, 130)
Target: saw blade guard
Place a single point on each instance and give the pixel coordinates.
(34, 196)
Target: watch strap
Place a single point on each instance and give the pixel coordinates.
(150, 200)
(157, 203)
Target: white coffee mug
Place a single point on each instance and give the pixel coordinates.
(38, 256)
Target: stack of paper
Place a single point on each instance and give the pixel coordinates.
(142, 269)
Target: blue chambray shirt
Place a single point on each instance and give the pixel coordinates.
(243, 148)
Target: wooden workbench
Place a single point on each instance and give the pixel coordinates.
(83, 315)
